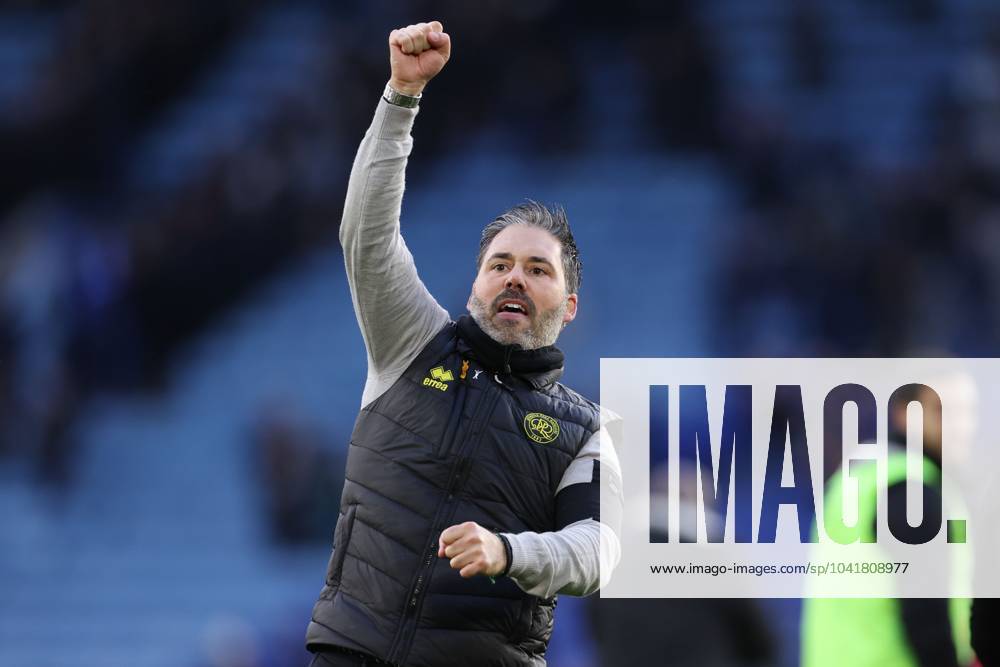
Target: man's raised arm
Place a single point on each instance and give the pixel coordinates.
(396, 313)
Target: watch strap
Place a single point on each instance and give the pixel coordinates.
(393, 96)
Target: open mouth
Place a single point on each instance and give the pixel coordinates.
(512, 309)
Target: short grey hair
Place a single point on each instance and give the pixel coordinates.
(554, 221)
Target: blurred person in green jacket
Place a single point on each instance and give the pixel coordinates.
(891, 632)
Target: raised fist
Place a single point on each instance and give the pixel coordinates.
(416, 54)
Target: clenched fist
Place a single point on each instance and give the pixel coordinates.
(473, 550)
(416, 54)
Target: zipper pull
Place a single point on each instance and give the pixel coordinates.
(506, 359)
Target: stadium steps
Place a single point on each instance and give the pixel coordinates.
(164, 533)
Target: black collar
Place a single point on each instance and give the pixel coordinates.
(539, 367)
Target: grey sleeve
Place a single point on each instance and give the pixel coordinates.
(396, 313)
(570, 560)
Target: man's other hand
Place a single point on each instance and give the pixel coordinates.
(473, 550)
(416, 54)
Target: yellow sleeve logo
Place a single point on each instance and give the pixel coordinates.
(541, 428)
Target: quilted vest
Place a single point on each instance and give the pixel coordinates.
(472, 431)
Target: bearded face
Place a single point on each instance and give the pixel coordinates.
(519, 296)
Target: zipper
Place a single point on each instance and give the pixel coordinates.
(459, 473)
(450, 433)
(418, 588)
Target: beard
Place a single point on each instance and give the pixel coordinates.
(543, 329)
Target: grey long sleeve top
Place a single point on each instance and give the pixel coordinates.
(398, 317)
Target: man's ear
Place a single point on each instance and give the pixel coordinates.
(570, 315)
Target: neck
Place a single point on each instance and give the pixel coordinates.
(509, 358)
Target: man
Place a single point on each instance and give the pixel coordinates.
(906, 631)
(471, 495)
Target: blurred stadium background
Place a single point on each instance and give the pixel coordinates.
(179, 362)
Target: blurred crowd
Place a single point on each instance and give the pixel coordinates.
(299, 471)
(837, 257)
(102, 278)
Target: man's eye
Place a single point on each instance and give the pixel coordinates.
(538, 271)
(499, 267)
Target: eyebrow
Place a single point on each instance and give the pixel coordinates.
(510, 257)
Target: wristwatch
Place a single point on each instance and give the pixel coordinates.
(399, 99)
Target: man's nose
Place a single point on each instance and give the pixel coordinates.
(515, 279)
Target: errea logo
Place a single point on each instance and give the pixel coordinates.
(438, 377)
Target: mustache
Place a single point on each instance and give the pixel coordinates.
(513, 294)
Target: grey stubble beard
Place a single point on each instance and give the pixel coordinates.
(545, 331)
